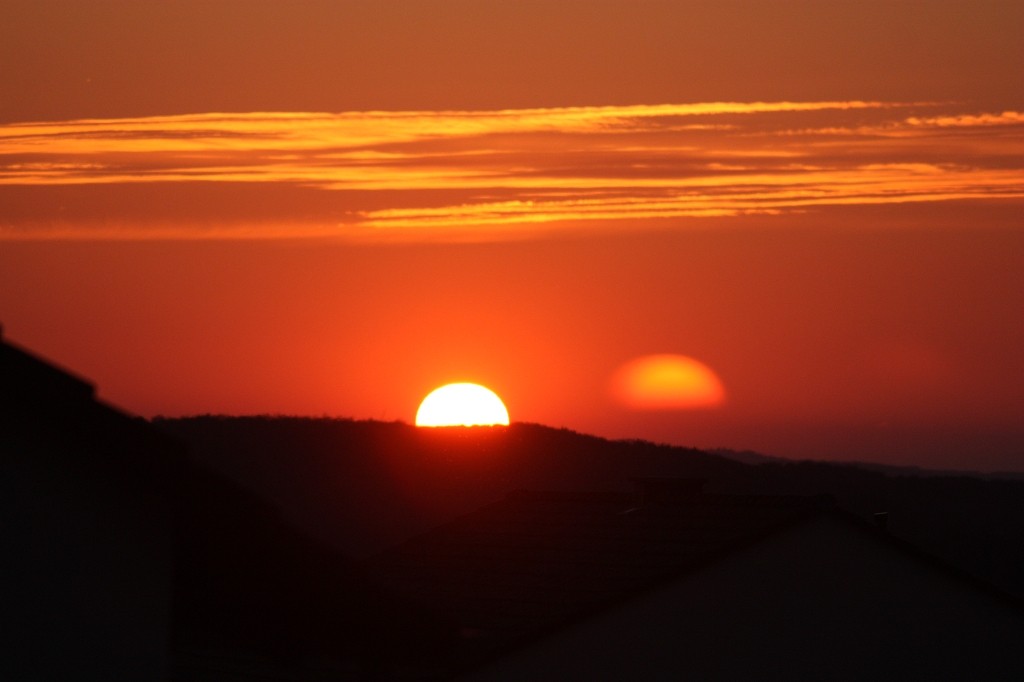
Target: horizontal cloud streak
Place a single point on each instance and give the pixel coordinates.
(518, 168)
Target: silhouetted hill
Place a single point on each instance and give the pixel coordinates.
(251, 594)
(365, 485)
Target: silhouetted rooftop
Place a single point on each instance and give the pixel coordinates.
(535, 561)
(49, 407)
(35, 377)
(243, 583)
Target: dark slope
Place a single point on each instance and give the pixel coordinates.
(364, 485)
(253, 598)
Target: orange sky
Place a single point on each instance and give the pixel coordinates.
(331, 207)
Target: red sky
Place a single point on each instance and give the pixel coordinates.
(332, 208)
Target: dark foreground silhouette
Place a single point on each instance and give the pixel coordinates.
(219, 548)
(362, 486)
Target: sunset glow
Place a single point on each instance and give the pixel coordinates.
(810, 211)
(667, 382)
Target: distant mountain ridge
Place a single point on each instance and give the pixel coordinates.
(751, 457)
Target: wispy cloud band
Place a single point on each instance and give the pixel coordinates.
(524, 168)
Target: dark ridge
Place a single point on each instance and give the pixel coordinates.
(361, 486)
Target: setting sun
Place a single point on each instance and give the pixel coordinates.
(462, 404)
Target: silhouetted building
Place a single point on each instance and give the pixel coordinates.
(675, 584)
(124, 561)
(87, 530)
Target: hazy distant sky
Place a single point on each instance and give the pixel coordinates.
(334, 207)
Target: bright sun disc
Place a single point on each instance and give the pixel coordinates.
(462, 405)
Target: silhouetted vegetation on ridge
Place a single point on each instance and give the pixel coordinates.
(364, 485)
